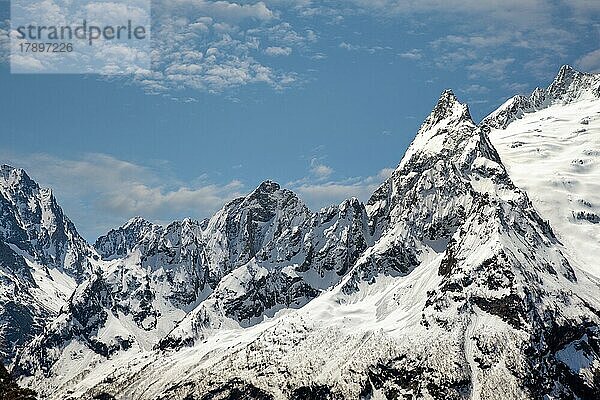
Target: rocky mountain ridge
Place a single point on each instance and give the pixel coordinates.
(569, 86)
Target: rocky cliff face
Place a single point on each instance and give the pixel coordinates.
(42, 258)
(446, 284)
(33, 221)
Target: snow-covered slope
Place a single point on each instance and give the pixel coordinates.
(553, 153)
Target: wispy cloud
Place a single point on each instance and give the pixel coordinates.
(495, 68)
(99, 191)
(319, 194)
(590, 61)
(320, 170)
(414, 54)
(475, 89)
(278, 51)
(368, 49)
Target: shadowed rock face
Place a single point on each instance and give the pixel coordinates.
(33, 229)
(34, 222)
(9, 390)
(233, 390)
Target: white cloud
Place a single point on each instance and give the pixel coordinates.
(322, 195)
(516, 87)
(100, 192)
(368, 49)
(492, 69)
(226, 10)
(348, 46)
(454, 58)
(317, 195)
(414, 54)
(319, 170)
(285, 34)
(476, 89)
(590, 62)
(245, 37)
(278, 51)
(216, 46)
(26, 64)
(499, 9)
(105, 56)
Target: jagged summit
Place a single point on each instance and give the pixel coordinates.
(566, 69)
(118, 242)
(568, 86)
(566, 75)
(6, 169)
(447, 107)
(571, 85)
(267, 187)
(137, 220)
(42, 258)
(445, 129)
(265, 195)
(11, 176)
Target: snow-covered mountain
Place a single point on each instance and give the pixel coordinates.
(550, 145)
(42, 258)
(449, 283)
(162, 287)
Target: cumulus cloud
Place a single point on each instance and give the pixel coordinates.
(115, 56)
(215, 46)
(228, 11)
(218, 45)
(204, 45)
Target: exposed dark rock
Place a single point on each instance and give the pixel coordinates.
(9, 390)
(234, 389)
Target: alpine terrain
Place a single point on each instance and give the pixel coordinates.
(471, 273)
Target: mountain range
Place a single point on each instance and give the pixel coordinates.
(471, 273)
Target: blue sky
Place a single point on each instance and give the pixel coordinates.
(321, 96)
